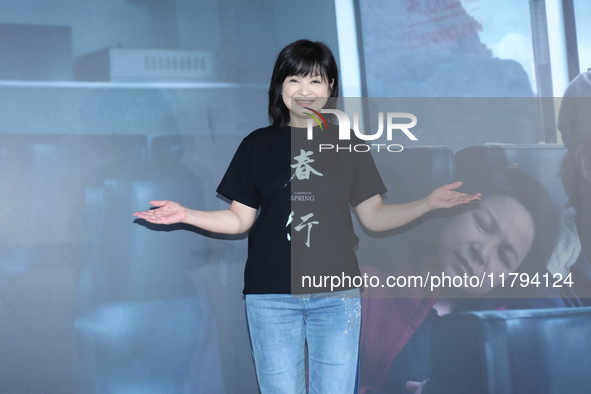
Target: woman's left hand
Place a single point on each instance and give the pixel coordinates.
(446, 197)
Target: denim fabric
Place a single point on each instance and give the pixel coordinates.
(281, 325)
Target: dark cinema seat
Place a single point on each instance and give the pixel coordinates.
(542, 351)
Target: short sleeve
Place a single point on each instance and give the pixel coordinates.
(366, 181)
(238, 183)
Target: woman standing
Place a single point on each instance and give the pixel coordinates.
(303, 229)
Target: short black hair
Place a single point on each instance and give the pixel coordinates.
(300, 58)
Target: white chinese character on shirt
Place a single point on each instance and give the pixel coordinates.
(303, 167)
(302, 225)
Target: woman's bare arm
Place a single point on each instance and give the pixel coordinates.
(237, 219)
(377, 216)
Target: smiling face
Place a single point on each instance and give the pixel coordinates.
(492, 238)
(298, 92)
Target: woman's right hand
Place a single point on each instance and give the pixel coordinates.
(167, 212)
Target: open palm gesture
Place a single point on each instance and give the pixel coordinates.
(446, 197)
(167, 212)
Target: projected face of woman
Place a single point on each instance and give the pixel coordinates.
(491, 239)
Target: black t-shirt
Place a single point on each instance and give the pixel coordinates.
(304, 226)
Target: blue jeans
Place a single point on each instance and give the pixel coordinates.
(281, 325)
